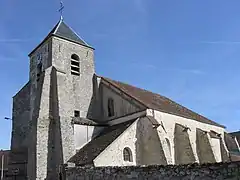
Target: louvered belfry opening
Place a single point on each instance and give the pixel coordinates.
(75, 65)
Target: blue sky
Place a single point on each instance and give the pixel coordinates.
(186, 50)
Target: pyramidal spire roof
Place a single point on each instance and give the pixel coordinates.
(62, 30)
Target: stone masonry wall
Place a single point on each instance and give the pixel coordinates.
(21, 116)
(227, 171)
(123, 104)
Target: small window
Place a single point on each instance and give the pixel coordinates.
(39, 70)
(110, 107)
(127, 154)
(75, 65)
(76, 113)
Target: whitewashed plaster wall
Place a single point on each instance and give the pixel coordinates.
(215, 143)
(83, 134)
(113, 154)
(168, 121)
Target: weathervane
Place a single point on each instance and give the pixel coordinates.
(61, 9)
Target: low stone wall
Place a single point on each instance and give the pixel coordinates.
(218, 171)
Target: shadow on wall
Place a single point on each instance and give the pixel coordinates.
(21, 118)
(55, 149)
(33, 127)
(95, 107)
(183, 149)
(149, 149)
(224, 153)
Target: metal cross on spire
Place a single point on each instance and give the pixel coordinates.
(61, 9)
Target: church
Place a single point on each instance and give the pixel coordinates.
(67, 115)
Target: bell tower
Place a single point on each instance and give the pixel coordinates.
(61, 72)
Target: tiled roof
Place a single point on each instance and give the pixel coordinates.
(91, 150)
(158, 102)
(6, 157)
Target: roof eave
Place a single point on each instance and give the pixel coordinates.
(73, 41)
(214, 123)
(149, 107)
(54, 35)
(42, 42)
(143, 104)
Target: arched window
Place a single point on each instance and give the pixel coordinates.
(127, 154)
(110, 107)
(169, 146)
(75, 65)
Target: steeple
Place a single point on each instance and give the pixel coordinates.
(61, 77)
(62, 30)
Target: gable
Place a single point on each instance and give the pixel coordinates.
(113, 155)
(91, 150)
(123, 104)
(158, 102)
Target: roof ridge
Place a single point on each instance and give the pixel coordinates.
(57, 26)
(158, 102)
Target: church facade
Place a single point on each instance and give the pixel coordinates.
(67, 114)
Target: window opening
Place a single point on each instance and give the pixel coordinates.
(75, 65)
(127, 154)
(76, 113)
(110, 107)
